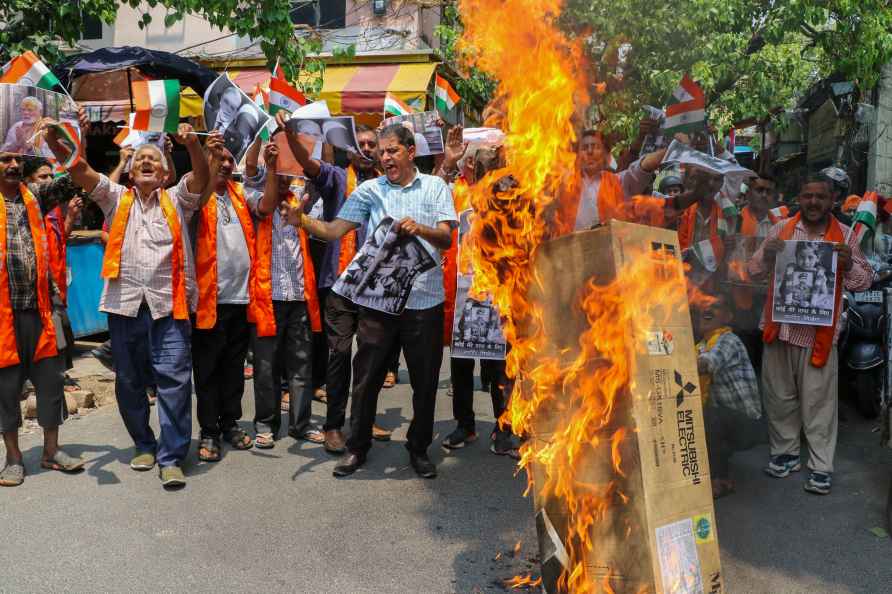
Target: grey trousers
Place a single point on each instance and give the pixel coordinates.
(47, 375)
(801, 398)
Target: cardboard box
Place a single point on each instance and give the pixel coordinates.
(664, 538)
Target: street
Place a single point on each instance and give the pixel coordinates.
(277, 520)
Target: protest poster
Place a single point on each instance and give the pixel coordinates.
(381, 275)
(338, 131)
(428, 135)
(804, 284)
(286, 163)
(734, 175)
(22, 111)
(476, 325)
(230, 111)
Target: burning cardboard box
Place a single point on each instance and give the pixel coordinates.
(635, 507)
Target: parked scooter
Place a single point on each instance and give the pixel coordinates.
(863, 352)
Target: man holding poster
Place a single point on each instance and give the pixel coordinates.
(810, 254)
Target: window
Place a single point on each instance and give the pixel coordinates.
(319, 14)
(92, 28)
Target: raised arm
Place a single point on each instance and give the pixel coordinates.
(124, 157)
(270, 200)
(214, 150)
(171, 167)
(200, 178)
(252, 157)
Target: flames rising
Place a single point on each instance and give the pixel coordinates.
(541, 83)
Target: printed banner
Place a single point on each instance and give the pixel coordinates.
(234, 114)
(381, 275)
(804, 284)
(23, 110)
(476, 325)
(428, 135)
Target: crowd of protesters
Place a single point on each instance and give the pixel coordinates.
(211, 269)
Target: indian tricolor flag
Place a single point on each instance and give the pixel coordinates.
(686, 111)
(864, 223)
(393, 106)
(157, 105)
(284, 97)
(28, 70)
(445, 96)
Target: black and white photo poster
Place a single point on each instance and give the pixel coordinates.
(231, 112)
(804, 284)
(381, 275)
(476, 326)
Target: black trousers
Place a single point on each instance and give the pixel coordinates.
(729, 431)
(492, 375)
(341, 321)
(419, 333)
(218, 358)
(320, 344)
(288, 353)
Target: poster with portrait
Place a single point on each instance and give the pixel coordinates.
(338, 131)
(381, 275)
(228, 110)
(804, 284)
(22, 111)
(476, 325)
(428, 135)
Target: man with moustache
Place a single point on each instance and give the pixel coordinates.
(149, 292)
(27, 334)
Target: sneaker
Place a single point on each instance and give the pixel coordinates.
(172, 477)
(459, 439)
(143, 461)
(818, 483)
(782, 466)
(503, 445)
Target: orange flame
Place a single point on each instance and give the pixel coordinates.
(523, 581)
(540, 86)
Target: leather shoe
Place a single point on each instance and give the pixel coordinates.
(334, 442)
(423, 465)
(349, 464)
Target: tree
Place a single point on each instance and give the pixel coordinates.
(749, 56)
(44, 26)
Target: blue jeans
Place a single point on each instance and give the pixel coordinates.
(147, 352)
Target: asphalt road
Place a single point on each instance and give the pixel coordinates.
(277, 521)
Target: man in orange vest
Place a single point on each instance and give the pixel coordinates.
(800, 364)
(284, 311)
(27, 333)
(224, 254)
(422, 206)
(149, 292)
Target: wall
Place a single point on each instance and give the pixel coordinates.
(879, 162)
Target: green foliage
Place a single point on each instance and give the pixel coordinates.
(474, 84)
(749, 56)
(41, 26)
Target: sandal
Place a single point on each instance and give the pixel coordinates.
(12, 475)
(62, 462)
(265, 441)
(238, 439)
(208, 450)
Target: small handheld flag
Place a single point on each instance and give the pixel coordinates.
(284, 97)
(393, 106)
(445, 96)
(686, 111)
(864, 223)
(157, 105)
(28, 70)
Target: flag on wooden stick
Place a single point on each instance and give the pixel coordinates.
(157, 105)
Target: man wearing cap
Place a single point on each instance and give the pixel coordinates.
(149, 292)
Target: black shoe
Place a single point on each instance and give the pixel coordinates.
(459, 438)
(423, 465)
(348, 464)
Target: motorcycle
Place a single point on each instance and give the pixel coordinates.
(864, 346)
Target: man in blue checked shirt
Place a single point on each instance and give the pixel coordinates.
(422, 205)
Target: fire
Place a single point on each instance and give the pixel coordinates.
(541, 83)
(523, 581)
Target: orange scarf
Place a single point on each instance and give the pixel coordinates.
(260, 311)
(206, 253)
(823, 334)
(111, 263)
(610, 200)
(688, 224)
(56, 248)
(749, 225)
(461, 202)
(348, 241)
(46, 344)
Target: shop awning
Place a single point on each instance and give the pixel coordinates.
(361, 89)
